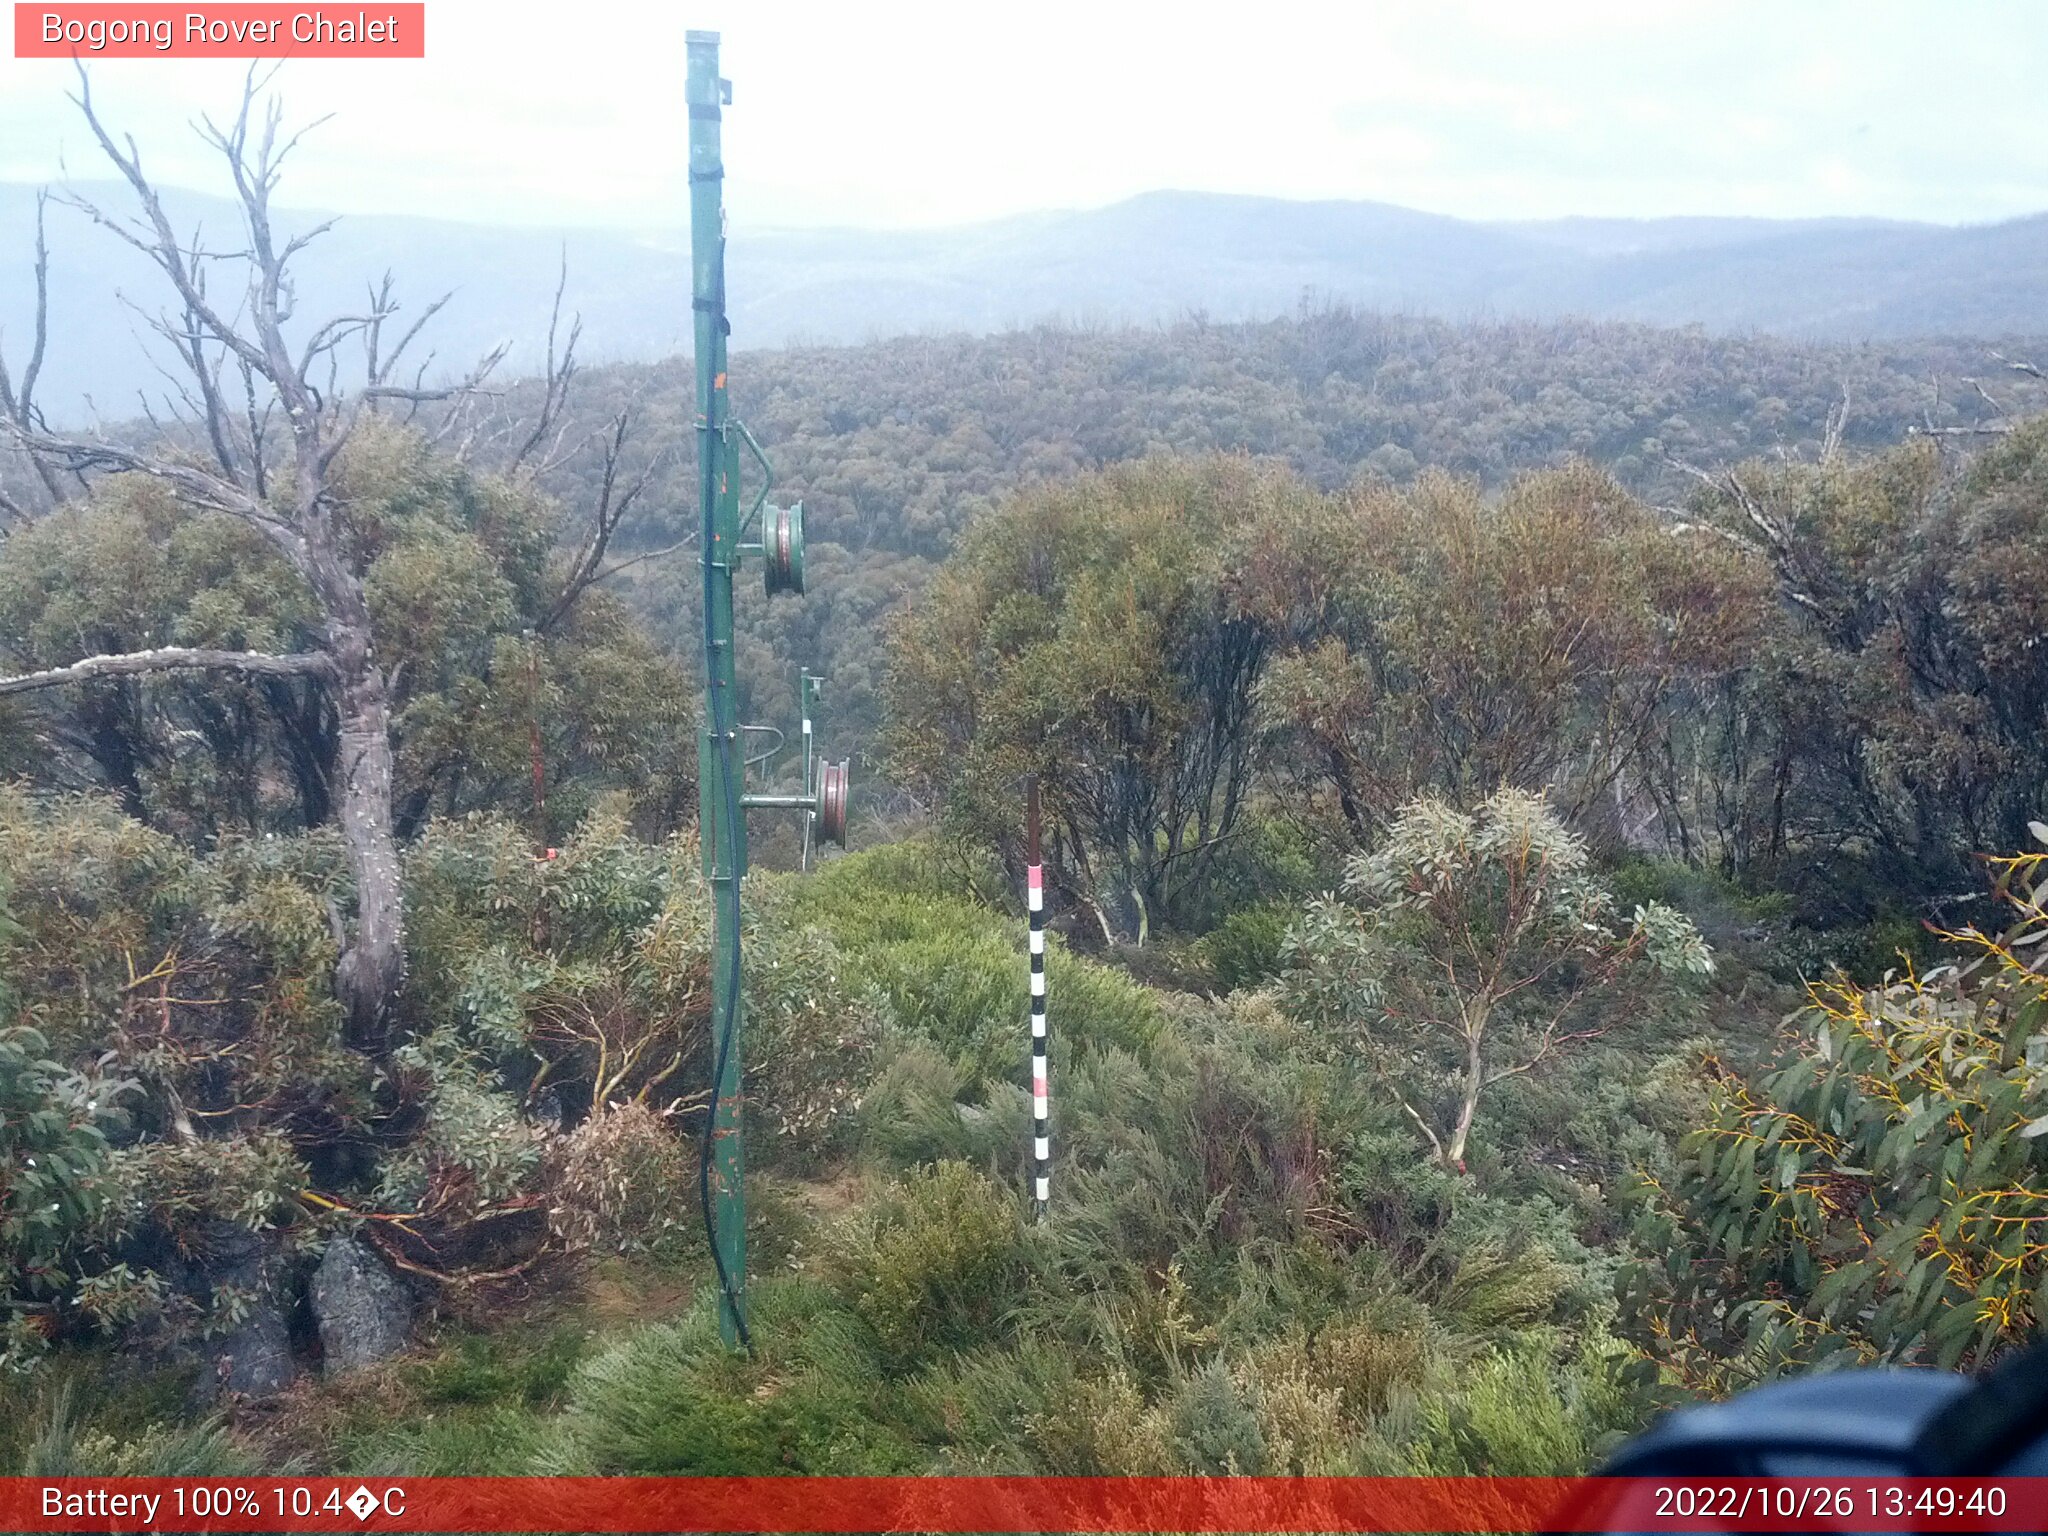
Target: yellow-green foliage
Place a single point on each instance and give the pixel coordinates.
(68, 1444)
(106, 912)
(935, 1262)
(1877, 1194)
(54, 1174)
(1104, 1428)
(953, 973)
(204, 979)
(1475, 948)
(1524, 1412)
(1435, 640)
(1367, 1363)
(1245, 948)
(674, 1399)
(461, 577)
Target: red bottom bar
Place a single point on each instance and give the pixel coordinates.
(1001, 1504)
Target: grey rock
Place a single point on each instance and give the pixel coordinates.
(255, 1357)
(364, 1313)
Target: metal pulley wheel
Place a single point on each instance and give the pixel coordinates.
(833, 786)
(782, 550)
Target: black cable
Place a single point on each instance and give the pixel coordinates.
(722, 743)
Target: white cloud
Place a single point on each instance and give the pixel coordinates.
(893, 112)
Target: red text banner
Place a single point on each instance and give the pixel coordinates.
(237, 31)
(994, 1504)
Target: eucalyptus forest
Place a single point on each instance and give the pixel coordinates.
(1546, 858)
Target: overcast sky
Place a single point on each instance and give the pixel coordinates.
(874, 112)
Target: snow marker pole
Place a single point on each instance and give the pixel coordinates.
(1041, 1138)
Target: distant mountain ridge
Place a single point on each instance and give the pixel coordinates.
(1153, 258)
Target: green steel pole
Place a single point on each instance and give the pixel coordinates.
(720, 819)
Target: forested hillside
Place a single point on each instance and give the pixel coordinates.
(897, 447)
(1150, 260)
(1544, 849)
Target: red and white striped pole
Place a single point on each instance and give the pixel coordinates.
(1041, 1134)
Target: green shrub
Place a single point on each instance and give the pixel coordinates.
(1266, 862)
(56, 1181)
(1471, 949)
(1718, 906)
(1522, 1412)
(1104, 1428)
(116, 928)
(914, 1112)
(622, 1181)
(1876, 1195)
(1302, 1419)
(993, 1409)
(1244, 949)
(587, 975)
(499, 1440)
(67, 1442)
(812, 1030)
(1368, 1362)
(836, 892)
(1492, 1285)
(935, 1263)
(502, 1368)
(1165, 964)
(1890, 941)
(955, 974)
(1215, 1428)
(674, 1400)
(1096, 1008)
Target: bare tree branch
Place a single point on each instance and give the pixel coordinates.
(2003, 422)
(642, 558)
(173, 659)
(18, 405)
(164, 249)
(1985, 395)
(612, 507)
(424, 395)
(556, 380)
(258, 423)
(197, 486)
(377, 369)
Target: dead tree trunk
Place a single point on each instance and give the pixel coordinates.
(374, 962)
(280, 484)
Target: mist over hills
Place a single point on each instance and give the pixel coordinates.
(1159, 257)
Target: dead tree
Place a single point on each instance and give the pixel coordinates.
(18, 407)
(267, 422)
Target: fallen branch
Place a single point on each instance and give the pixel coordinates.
(172, 659)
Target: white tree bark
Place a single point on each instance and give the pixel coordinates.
(172, 659)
